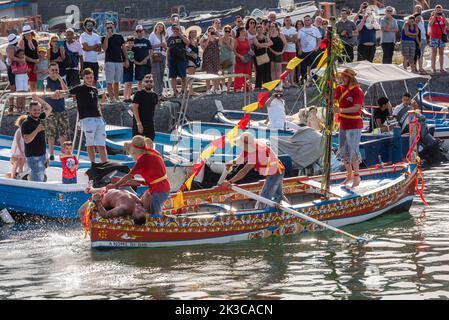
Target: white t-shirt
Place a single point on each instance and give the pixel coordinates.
(170, 32)
(91, 40)
(276, 114)
(291, 46)
(154, 40)
(398, 109)
(308, 38)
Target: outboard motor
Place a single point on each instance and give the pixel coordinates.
(102, 173)
(429, 146)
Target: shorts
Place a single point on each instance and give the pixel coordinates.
(142, 71)
(69, 181)
(349, 145)
(113, 72)
(177, 68)
(94, 130)
(32, 75)
(287, 56)
(276, 59)
(408, 49)
(157, 202)
(94, 66)
(11, 77)
(437, 43)
(21, 81)
(128, 74)
(57, 121)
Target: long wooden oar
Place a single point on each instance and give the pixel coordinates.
(254, 196)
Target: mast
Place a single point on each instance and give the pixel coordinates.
(328, 87)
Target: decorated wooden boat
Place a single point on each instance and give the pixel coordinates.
(217, 216)
(435, 101)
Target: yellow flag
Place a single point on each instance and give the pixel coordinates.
(271, 85)
(206, 154)
(232, 135)
(251, 107)
(189, 181)
(178, 201)
(293, 63)
(323, 58)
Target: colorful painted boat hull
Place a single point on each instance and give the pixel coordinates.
(224, 227)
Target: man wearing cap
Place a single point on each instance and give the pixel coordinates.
(11, 50)
(91, 44)
(142, 55)
(116, 56)
(74, 50)
(174, 22)
(256, 154)
(276, 112)
(348, 107)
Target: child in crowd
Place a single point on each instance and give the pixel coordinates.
(18, 149)
(20, 71)
(42, 68)
(69, 164)
(128, 73)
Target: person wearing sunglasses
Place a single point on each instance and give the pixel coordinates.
(116, 57)
(227, 56)
(389, 28)
(144, 105)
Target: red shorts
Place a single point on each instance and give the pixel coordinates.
(32, 76)
(287, 56)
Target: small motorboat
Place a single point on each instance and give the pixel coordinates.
(435, 101)
(51, 199)
(205, 20)
(296, 11)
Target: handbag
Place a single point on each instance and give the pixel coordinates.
(262, 59)
(246, 59)
(157, 57)
(443, 35)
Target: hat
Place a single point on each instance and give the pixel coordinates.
(13, 39)
(139, 27)
(70, 30)
(193, 28)
(26, 29)
(41, 49)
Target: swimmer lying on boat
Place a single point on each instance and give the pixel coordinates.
(115, 203)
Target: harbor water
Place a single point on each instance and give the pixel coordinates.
(53, 260)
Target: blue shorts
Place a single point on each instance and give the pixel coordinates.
(128, 74)
(177, 68)
(94, 130)
(142, 71)
(69, 181)
(437, 43)
(157, 202)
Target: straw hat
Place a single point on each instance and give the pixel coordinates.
(13, 39)
(193, 28)
(26, 29)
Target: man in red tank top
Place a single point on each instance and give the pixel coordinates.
(257, 155)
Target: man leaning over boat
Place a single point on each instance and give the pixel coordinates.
(256, 154)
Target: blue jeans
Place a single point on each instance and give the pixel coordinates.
(37, 166)
(272, 189)
(157, 202)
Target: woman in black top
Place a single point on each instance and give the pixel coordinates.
(56, 53)
(30, 45)
(261, 44)
(276, 50)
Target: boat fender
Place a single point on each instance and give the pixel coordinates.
(5, 216)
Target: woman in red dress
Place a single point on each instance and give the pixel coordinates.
(242, 58)
(348, 106)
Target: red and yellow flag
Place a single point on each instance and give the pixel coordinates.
(271, 85)
(293, 63)
(231, 135)
(251, 107)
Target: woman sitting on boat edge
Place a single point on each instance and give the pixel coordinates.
(150, 165)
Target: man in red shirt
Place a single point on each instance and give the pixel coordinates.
(438, 26)
(150, 165)
(348, 107)
(259, 156)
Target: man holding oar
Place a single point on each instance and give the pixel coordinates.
(258, 155)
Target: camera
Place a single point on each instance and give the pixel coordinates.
(278, 95)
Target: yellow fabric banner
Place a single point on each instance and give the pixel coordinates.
(322, 60)
(206, 154)
(271, 85)
(189, 181)
(231, 135)
(178, 201)
(251, 107)
(293, 63)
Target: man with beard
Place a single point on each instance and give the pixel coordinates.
(91, 43)
(144, 104)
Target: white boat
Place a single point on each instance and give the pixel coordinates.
(296, 11)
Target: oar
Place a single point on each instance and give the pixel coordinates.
(295, 213)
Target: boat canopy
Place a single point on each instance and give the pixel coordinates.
(369, 74)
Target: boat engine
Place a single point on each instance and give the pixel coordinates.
(429, 146)
(102, 173)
